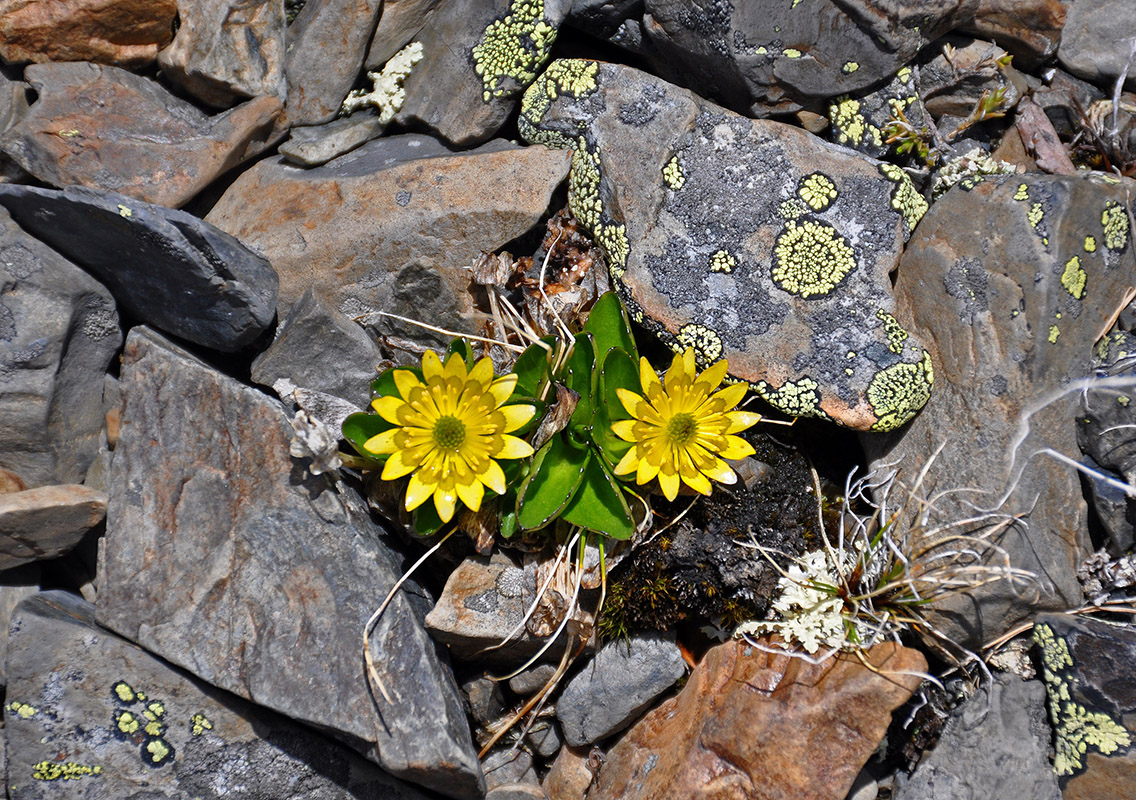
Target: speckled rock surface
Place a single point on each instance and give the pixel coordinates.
(90, 715)
(751, 724)
(1096, 40)
(390, 226)
(106, 31)
(617, 685)
(1008, 279)
(995, 745)
(744, 239)
(477, 58)
(106, 128)
(1088, 668)
(227, 50)
(167, 267)
(46, 522)
(58, 333)
(858, 120)
(287, 571)
(776, 55)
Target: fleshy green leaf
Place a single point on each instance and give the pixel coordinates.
(532, 368)
(557, 470)
(608, 323)
(581, 378)
(426, 519)
(358, 428)
(464, 349)
(618, 371)
(599, 505)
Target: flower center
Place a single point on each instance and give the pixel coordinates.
(449, 432)
(681, 428)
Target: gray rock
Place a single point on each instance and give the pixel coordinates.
(1032, 263)
(58, 332)
(517, 791)
(106, 128)
(318, 144)
(617, 685)
(791, 286)
(391, 226)
(286, 571)
(398, 26)
(1030, 29)
(1115, 510)
(486, 703)
(1096, 40)
(1061, 99)
(326, 43)
(15, 585)
(507, 767)
(46, 522)
(13, 102)
(995, 745)
(544, 738)
(476, 60)
(951, 88)
(319, 348)
(90, 715)
(227, 50)
(602, 18)
(532, 679)
(169, 268)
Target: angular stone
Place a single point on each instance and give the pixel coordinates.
(617, 685)
(106, 128)
(996, 745)
(1008, 279)
(476, 60)
(227, 50)
(15, 585)
(1096, 40)
(169, 268)
(318, 144)
(90, 715)
(58, 332)
(46, 522)
(1089, 675)
(318, 348)
(391, 226)
(953, 87)
(1030, 29)
(753, 724)
(398, 26)
(569, 777)
(286, 572)
(326, 43)
(106, 31)
(765, 56)
(745, 239)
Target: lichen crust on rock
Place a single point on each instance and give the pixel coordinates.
(745, 239)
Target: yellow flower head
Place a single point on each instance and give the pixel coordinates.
(450, 429)
(683, 431)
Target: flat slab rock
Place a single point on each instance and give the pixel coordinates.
(748, 240)
(90, 715)
(224, 556)
(1008, 280)
(107, 31)
(169, 268)
(46, 522)
(391, 226)
(752, 724)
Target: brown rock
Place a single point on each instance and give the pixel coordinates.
(569, 777)
(126, 34)
(392, 225)
(1038, 135)
(46, 522)
(227, 50)
(10, 482)
(750, 724)
(1030, 29)
(106, 128)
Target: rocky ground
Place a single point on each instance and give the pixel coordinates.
(907, 226)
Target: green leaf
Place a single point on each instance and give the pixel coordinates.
(532, 368)
(557, 470)
(608, 322)
(426, 519)
(619, 372)
(581, 378)
(463, 348)
(599, 504)
(509, 515)
(358, 428)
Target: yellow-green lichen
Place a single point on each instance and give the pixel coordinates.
(612, 239)
(159, 750)
(904, 198)
(127, 722)
(513, 48)
(573, 77)
(1054, 333)
(1073, 278)
(124, 211)
(722, 261)
(1035, 215)
(199, 723)
(817, 190)
(904, 73)
(811, 259)
(1123, 400)
(1076, 729)
(63, 770)
(796, 398)
(673, 175)
(895, 333)
(849, 67)
(898, 392)
(851, 126)
(1023, 192)
(706, 343)
(1090, 244)
(584, 186)
(1114, 220)
(791, 52)
(124, 692)
(791, 209)
(157, 708)
(22, 710)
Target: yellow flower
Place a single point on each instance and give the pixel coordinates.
(450, 428)
(682, 432)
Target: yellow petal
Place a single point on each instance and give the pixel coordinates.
(455, 367)
(502, 388)
(470, 493)
(712, 376)
(388, 408)
(647, 376)
(417, 491)
(628, 463)
(731, 395)
(668, 482)
(516, 416)
(681, 370)
(445, 500)
(632, 402)
(721, 472)
(625, 429)
(697, 481)
(740, 420)
(398, 465)
(645, 471)
(383, 443)
(512, 447)
(482, 373)
(432, 366)
(405, 380)
(493, 477)
(736, 447)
